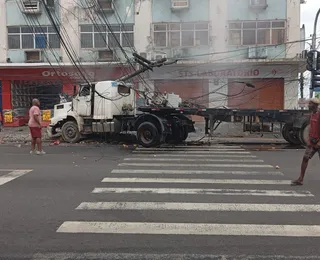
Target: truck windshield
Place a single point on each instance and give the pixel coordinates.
(84, 90)
(123, 89)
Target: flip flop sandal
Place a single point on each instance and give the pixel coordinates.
(296, 183)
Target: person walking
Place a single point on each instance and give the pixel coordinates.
(35, 127)
(313, 143)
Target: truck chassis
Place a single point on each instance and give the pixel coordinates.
(294, 124)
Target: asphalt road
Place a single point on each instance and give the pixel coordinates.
(218, 202)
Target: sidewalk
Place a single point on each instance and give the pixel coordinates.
(22, 135)
(19, 134)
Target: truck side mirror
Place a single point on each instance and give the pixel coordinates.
(74, 90)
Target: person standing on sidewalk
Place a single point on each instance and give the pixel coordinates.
(35, 127)
(313, 143)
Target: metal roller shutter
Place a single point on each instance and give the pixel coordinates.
(267, 94)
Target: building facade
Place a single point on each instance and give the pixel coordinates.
(222, 47)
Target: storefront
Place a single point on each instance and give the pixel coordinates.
(271, 86)
(21, 85)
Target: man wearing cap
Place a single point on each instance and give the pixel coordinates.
(313, 143)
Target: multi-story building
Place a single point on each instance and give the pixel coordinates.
(222, 48)
(36, 61)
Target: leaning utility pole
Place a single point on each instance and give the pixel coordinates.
(314, 74)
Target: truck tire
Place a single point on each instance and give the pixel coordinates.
(304, 133)
(184, 133)
(70, 132)
(290, 134)
(285, 132)
(148, 135)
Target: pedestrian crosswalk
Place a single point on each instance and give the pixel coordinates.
(202, 180)
(11, 174)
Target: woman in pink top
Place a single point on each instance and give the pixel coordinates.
(35, 127)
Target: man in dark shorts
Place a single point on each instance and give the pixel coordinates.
(313, 144)
(35, 127)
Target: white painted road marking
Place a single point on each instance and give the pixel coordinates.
(192, 160)
(202, 181)
(141, 256)
(189, 229)
(12, 175)
(190, 149)
(198, 206)
(238, 192)
(193, 152)
(164, 171)
(191, 155)
(151, 164)
(201, 146)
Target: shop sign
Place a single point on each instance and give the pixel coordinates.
(46, 115)
(8, 117)
(70, 74)
(221, 73)
(213, 71)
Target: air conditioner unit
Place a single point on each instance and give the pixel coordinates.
(258, 4)
(33, 56)
(105, 55)
(257, 52)
(49, 3)
(146, 55)
(160, 56)
(179, 4)
(104, 6)
(31, 6)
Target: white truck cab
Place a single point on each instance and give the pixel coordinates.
(97, 108)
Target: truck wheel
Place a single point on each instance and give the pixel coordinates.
(184, 133)
(290, 135)
(304, 133)
(70, 132)
(285, 132)
(148, 135)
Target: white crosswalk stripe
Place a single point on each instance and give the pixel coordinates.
(11, 174)
(192, 160)
(166, 171)
(178, 179)
(147, 256)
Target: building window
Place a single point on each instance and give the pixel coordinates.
(101, 36)
(256, 32)
(27, 37)
(181, 34)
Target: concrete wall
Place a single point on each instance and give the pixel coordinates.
(3, 32)
(293, 27)
(161, 12)
(16, 17)
(218, 19)
(238, 10)
(70, 17)
(142, 28)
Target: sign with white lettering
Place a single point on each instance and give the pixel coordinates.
(210, 72)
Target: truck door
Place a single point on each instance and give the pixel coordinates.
(82, 102)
